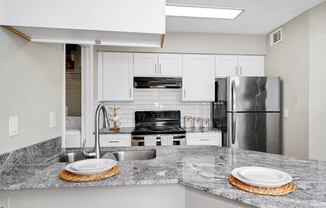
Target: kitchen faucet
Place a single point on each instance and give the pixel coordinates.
(96, 153)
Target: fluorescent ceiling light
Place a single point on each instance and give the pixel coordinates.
(201, 12)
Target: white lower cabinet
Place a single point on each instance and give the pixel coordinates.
(115, 140)
(205, 138)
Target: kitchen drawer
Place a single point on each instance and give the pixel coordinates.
(210, 138)
(115, 140)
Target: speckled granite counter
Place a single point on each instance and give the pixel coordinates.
(125, 130)
(201, 130)
(201, 167)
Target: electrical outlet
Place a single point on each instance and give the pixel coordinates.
(13, 126)
(4, 203)
(52, 120)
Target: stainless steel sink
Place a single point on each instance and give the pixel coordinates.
(135, 155)
(71, 157)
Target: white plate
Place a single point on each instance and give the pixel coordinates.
(261, 177)
(91, 171)
(261, 174)
(92, 164)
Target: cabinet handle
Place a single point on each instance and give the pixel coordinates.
(240, 70)
(184, 93)
(113, 141)
(155, 68)
(203, 139)
(160, 69)
(130, 93)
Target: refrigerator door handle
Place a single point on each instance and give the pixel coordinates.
(234, 127)
(233, 96)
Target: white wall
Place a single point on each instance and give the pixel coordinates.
(289, 60)
(317, 83)
(31, 86)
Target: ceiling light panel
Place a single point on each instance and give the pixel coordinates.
(201, 12)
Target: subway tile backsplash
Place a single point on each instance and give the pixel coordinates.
(156, 100)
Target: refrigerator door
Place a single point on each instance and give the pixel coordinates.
(258, 94)
(254, 131)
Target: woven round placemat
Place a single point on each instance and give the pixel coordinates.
(278, 191)
(68, 176)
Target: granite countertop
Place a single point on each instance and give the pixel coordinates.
(201, 167)
(124, 130)
(201, 130)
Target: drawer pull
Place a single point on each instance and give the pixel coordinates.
(114, 141)
(203, 139)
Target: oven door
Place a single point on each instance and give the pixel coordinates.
(178, 140)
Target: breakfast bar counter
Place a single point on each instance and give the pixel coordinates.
(204, 168)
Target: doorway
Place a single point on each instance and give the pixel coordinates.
(73, 90)
(78, 95)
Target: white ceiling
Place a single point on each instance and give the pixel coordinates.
(259, 17)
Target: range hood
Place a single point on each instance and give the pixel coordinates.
(157, 82)
(102, 22)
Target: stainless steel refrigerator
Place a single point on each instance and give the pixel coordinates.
(252, 112)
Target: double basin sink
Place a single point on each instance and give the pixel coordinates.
(118, 155)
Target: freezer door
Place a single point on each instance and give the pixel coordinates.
(254, 131)
(253, 94)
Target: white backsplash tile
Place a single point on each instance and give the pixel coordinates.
(155, 100)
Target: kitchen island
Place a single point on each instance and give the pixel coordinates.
(188, 175)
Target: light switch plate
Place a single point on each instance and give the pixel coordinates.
(13, 126)
(4, 203)
(286, 113)
(52, 120)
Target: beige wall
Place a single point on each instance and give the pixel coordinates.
(31, 86)
(73, 94)
(299, 60)
(204, 43)
(289, 60)
(317, 83)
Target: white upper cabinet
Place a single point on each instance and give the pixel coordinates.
(251, 65)
(230, 65)
(115, 76)
(170, 65)
(157, 65)
(105, 22)
(226, 65)
(145, 64)
(198, 80)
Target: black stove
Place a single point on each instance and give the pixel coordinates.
(158, 123)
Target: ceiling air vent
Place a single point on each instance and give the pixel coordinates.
(276, 36)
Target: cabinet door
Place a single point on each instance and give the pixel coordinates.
(198, 77)
(115, 76)
(145, 64)
(251, 65)
(170, 65)
(226, 66)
